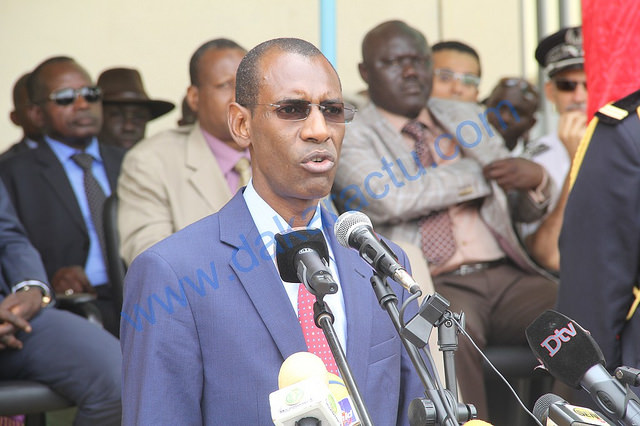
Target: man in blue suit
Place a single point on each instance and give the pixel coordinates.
(207, 320)
(65, 352)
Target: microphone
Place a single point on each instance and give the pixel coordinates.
(354, 230)
(347, 413)
(571, 355)
(550, 409)
(303, 256)
(303, 397)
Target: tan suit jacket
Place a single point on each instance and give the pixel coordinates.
(168, 181)
(395, 202)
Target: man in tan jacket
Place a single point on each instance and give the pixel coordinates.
(179, 176)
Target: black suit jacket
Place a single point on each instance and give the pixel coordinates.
(46, 204)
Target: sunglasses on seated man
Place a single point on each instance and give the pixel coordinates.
(68, 96)
(446, 75)
(298, 110)
(564, 85)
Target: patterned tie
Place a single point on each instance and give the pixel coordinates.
(438, 242)
(243, 167)
(313, 336)
(95, 194)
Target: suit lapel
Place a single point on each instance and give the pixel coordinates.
(55, 177)
(206, 178)
(356, 288)
(259, 277)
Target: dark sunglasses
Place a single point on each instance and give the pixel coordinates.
(68, 96)
(335, 112)
(568, 85)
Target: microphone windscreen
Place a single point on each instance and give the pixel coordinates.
(346, 223)
(543, 404)
(565, 348)
(337, 387)
(301, 366)
(290, 243)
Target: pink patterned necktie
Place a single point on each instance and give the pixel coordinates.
(313, 336)
(438, 242)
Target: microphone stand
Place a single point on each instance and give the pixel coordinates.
(324, 319)
(447, 410)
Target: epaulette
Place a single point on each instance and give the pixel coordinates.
(617, 111)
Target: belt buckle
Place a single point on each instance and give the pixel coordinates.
(467, 269)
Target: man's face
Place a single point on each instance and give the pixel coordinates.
(397, 70)
(75, 123)
(567, 91)
(456, 76)
(216, 89)
(124, 124)
(294, 162)
(509, 99)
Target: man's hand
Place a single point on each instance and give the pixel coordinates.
(571, 128)
(515, 173)
(15, 311)
(71, 279)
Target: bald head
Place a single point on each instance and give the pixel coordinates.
(396, 65)
(247, 77)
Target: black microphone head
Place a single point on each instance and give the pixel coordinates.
(543, 404)
(565, 348)
(290, 243)
(347, 223)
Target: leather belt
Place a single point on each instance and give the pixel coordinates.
(470, 268)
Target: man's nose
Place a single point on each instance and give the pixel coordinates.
(315, 127)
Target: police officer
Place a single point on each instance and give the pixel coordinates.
(600, 239)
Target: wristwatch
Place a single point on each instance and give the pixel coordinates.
(35, 285)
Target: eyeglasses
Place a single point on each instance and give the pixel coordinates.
(335, 112)
(565, 85)
(67, 96)
(446, 75)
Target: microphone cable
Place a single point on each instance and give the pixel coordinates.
(515, 394)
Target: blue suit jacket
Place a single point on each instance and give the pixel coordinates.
(207, 324)
(19, 261)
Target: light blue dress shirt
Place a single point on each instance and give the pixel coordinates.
(95, 267)
(270, 223)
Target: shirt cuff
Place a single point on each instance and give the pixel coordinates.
(32, 283)
(537, 195)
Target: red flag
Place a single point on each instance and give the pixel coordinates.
(611, 40)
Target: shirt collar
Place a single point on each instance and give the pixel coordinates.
(269, 222)
(64, 151)
(226, 156)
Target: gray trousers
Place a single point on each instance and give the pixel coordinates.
(77, 359)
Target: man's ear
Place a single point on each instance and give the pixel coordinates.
(13, 115)
(36, 115)
(240, 124)
(193, 96)
(548, 91)
(363, 72)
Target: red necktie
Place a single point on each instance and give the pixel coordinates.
(313, 336)
(438, 242)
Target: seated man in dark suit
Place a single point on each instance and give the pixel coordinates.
(219, 349)
(59, 188)
(39, 343)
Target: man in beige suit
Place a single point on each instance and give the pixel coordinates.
(179, 176)
(423, 170)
